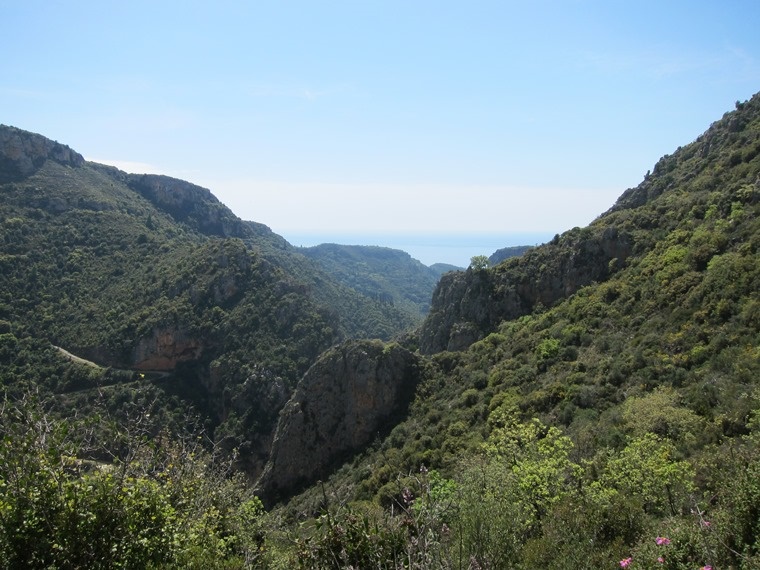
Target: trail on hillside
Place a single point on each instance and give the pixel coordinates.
(142, 375)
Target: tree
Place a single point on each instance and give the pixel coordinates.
(479, 263)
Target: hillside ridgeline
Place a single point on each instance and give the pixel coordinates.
(591, 404)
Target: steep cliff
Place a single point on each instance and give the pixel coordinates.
(22, 153)
(349, 397)
(468, 305)
(189, 203)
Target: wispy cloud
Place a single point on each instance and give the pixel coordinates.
(379, 207)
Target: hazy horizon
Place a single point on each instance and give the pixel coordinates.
(383, 117)
(454, 248)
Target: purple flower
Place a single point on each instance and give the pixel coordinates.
(707, 567)
(662, 541)
(625, 562)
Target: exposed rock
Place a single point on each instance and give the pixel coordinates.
(22, 153)
(340, 405)
(164, 349)
(469, 305)
(187, 202)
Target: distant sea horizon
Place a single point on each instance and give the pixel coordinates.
(428, 248)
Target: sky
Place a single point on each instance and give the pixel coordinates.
(451, 128)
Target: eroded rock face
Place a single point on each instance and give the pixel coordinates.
(164, 349)
(469, 305)
(341, 404)
(187, 202)
(22, 153)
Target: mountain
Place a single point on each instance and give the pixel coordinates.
(592, 403)
(388, 275)
(590, 395)
(506, 252)
(441, 268)
(153, 274)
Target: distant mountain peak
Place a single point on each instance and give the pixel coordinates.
(23, 152)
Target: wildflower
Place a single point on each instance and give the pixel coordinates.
(705, 524)
(625, 562)
(660, 559)
(707, 567)
(662, 541)
(407, 497)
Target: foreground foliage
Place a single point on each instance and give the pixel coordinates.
(159, 503)
(524, 503)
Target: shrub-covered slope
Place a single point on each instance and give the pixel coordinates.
(594, 395)
(152, 274)
(661, 292)
(388, 275)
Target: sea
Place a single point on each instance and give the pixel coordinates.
(429, 248)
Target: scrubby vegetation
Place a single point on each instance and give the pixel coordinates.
(388, 275)
(614, 425)
(71, 498)
(580, 433)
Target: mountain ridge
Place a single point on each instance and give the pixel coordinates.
(558, 409)
(147, 272)
(638, 301)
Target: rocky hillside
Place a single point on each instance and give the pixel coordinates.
(22, 153)
(148, 273)
(468, 305)
(644, 321)
(354, 394)
(593, 403)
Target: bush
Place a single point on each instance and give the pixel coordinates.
(163, 504)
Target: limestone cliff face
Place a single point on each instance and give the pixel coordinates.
(164, 349)
(469, 305)
(161, 351)
(188, 202)
(340, 405)
(22, 153)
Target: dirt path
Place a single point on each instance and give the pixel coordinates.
(77, 359)
(141, 375)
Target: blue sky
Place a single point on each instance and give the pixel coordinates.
(349, 120)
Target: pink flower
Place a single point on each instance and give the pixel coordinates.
(706, 524)
(662, 541)
(708, 567)
(625, 562)
(660, 559)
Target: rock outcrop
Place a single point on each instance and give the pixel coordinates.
(187, 202)
(164, 349)
(353, 393)
(22, 153)
(469, 305)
